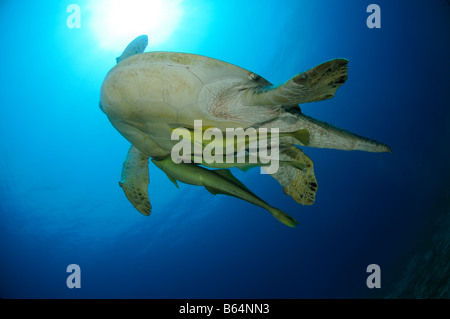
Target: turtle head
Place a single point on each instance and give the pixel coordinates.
(101, 107)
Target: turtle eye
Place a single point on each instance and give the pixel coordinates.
(253, 77)
(301, 78)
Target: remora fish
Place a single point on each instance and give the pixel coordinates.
(217, 182)
(246, 165)
(245, 139)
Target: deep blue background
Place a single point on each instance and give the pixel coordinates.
(61, 159)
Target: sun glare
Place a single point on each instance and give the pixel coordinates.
(117, 22)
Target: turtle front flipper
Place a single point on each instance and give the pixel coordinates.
(317, 84)
(135, 179)
(300, 184)
(137, 46)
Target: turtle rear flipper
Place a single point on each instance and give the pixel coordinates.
(300, 184)
(135, 179)
(317, 84)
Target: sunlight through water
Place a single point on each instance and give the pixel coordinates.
(115, 22)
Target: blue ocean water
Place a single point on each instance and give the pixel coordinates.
(61, 159)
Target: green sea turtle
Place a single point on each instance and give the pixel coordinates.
(147, 95)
